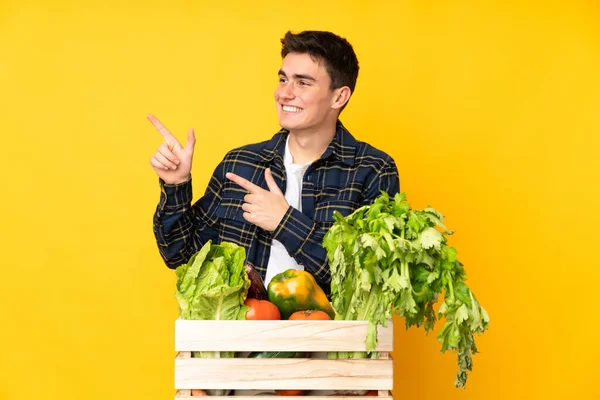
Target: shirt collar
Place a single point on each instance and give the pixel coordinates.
(343, 146)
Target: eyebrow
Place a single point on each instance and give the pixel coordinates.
(298, 76)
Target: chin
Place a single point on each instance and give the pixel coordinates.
(290, 123)
(287, 126)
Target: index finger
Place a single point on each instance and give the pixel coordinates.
(246, 184)
(169, 138)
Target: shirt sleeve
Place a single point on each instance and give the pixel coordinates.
(303, 237)
(181, 228)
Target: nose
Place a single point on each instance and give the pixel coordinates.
(286, 91)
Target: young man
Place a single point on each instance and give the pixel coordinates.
(276, 198)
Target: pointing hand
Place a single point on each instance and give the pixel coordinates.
(172, 162)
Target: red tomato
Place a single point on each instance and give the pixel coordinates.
(261, 309)
(290, 392)
(310, 314)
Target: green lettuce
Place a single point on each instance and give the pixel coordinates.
(213, 285)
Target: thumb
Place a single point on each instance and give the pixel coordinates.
(271, 182)
(191, 140)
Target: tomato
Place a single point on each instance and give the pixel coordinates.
(372, 393)
(290, 392)
(261, 309)
(310, 314)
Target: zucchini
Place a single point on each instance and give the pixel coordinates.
(277, 354)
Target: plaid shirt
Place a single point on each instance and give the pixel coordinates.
(348, 175)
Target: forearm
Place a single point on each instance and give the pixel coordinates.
(303, 238)
(179, 228)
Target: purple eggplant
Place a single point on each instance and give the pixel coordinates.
(257, 288)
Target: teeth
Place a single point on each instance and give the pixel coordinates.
(291, 109)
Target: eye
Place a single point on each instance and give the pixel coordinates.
(304, 83)
(282, 79)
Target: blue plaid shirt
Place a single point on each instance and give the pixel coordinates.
(348, 175)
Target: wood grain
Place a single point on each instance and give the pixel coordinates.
(283, 373)
(184, 392)
(314, 336)
(384, 393)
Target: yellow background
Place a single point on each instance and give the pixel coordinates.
(491, 110)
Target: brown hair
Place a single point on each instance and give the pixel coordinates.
(336, 52)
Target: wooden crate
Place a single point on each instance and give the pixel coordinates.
(279, 373)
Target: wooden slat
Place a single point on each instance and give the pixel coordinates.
(283, 373)
(184, 392)
(384, 393)
(261, 397)
(315, 336)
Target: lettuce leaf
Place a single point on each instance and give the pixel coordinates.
(213, 285)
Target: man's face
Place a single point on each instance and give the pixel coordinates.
(303, 96)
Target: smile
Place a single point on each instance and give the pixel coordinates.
(291, 109)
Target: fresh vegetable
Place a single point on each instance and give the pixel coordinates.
(355, 393)
(261, 309)
(277, 354)
(213, 286)
(257, 288)
(386, 258)
(290, 392)
(349, 392)
(297, 290)
(310, 314)
(198, 392)
(281, 354)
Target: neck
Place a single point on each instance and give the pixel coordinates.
(307, 146)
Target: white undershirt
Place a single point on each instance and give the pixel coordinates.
(279, 259)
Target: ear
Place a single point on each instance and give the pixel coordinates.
(340, 97)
